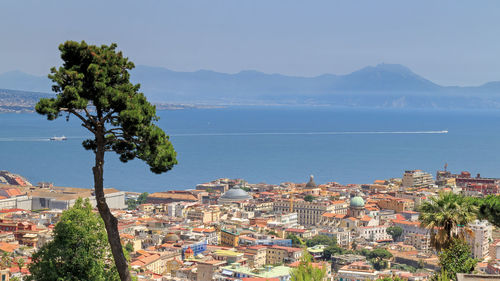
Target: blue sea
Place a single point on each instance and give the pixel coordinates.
(265, 144)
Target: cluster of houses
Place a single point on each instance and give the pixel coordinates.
(229, 229)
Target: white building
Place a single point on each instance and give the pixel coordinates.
(480, 238)
(374, 233)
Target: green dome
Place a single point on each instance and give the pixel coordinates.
(357, 202)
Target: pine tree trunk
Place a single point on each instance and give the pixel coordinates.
(110, 221)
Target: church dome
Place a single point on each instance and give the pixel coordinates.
(311, 183)
(357, 202)
(235, 194)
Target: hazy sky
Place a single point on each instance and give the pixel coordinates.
(448, 42)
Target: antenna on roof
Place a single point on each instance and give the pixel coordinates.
(445, 166)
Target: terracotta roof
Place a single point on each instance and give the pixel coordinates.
(8, 247)
(174, 195)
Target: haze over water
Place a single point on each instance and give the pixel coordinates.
(270, 145)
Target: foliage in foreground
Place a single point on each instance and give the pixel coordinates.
(79, 251)
(93, 85)
(306, 271)
(443, 215)
(457, 259)
(489, 208)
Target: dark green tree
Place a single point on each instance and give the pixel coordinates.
(457, 259)
(379, 258)
(395, 232)
(79, 251)
(142, 199)
(129, 247)
(332, 250)
(93, 85)
(309, 198)
(321, 240)
(489, 209)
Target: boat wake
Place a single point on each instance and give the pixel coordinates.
(309, 133)
(37, 139)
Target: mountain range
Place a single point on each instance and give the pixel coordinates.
(383, 85)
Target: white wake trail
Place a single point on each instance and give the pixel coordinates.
(308, 133)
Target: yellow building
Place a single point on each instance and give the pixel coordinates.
(397, 204)
(229, 239)
(204, 215)
(256, 255)
(279, 254)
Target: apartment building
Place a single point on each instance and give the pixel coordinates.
(279, 254)
(417, 178)
(479, 239)
(421, 242)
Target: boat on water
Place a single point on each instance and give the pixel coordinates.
(63, 138)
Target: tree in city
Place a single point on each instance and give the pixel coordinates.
(309, 198)
(379, 258)
(306, 271)
(133, 203)
(321, 240)
(143, 198)
(129, 247)
(296, 241)
(457, 259)
(93, 86)
(489, 209)
(395, 232)
(79, 250)
(20, 263)
(443, 215)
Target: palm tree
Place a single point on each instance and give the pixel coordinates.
(444, 215)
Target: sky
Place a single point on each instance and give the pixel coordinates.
(448, 42)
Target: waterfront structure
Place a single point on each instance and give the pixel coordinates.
(63, 198)
(417, 178)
